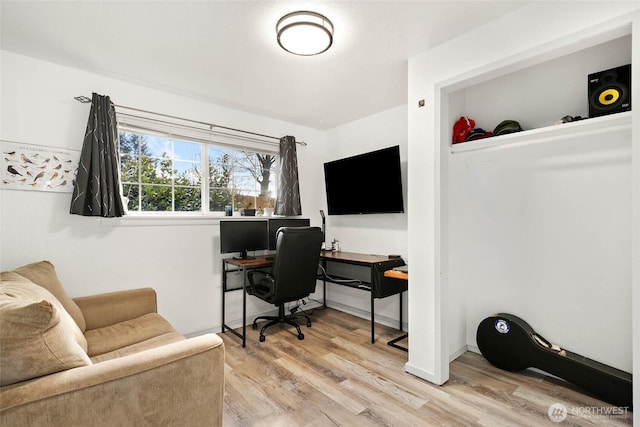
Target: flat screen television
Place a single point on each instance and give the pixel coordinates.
(275, 223)
(242, 236)
(368, 183)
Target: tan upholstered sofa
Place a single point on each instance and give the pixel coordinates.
(104, 360)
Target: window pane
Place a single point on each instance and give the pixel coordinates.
(220, 192)
(188, 199)
(265, 202)
(129, 168)
(243, 180)
(245, 199)
(219, 167)
(132, 192)
(186, 173)
(130, 143)
(187, 151)
(158, 147)
(219, 198)
(156, 171)
(156, 198)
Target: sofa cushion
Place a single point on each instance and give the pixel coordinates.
(37, 336)
(123, 334)
(44, 274)
(155, 342)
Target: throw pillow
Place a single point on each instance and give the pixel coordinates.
(37, 336)
(44, 274)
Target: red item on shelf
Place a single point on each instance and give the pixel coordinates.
(462, 128)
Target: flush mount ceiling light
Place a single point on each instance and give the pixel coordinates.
(304, 33)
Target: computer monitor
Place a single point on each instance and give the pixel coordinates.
(242, 236)
(275, 223)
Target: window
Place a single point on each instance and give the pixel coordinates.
(162, 173)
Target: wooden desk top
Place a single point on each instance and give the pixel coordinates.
(352, 257)
(346, 257)
(258, 261)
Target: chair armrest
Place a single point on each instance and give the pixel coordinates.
(115, 307)
(260, 283)
(176, 384)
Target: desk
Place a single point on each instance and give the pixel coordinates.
(377, 286)
(245, 265)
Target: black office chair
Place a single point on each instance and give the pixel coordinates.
(292, 276)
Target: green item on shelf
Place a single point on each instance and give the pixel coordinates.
(507, 126)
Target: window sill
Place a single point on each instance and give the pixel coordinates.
(142, 220)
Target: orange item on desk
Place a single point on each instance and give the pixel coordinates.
(396, 274)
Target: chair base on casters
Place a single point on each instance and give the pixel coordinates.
(281, 318)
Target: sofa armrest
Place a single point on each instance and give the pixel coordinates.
(177, 384)
(115, 307)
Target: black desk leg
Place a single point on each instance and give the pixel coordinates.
(400, 327)
(224, 291)
(373, 320)
(393, 342)
(226, 327)
(324, 284)
(244, 309)
(373, 333)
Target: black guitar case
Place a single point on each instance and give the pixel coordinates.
(509, 343)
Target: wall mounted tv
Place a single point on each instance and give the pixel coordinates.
(368, 183)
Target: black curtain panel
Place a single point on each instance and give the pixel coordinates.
(288, 202)
(97, 188)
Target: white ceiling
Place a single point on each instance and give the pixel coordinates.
(226, 51)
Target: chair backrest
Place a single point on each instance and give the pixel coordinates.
(295, 265)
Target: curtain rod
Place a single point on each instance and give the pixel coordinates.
(85, 100)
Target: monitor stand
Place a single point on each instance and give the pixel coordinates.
(244, 256)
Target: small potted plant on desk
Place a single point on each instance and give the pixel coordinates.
(248, 210)
(268, 211)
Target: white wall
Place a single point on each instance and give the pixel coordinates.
(437, 304)
(381, 234)
(180, 259)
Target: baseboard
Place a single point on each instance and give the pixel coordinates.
(366, 314)
(431, 376)
(453, 356)
(423, 374)
(474, 349)
(203, 332)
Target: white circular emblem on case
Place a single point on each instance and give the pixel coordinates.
(502, 326)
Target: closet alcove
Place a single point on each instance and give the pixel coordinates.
(539, 223)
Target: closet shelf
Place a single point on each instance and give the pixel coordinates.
(593, 126)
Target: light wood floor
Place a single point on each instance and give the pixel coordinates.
(336, 377)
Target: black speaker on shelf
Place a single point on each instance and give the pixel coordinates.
(610, 91)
